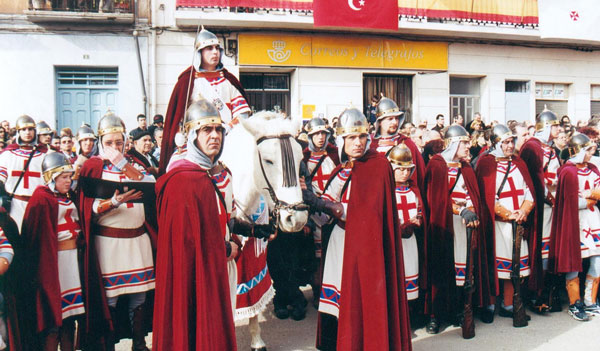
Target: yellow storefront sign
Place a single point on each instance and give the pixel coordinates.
(334, 51)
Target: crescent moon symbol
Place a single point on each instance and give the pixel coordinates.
(351, 5)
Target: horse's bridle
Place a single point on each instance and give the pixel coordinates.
(279, 204)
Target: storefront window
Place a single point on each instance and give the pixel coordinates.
(464, 97)
(397, 88)
(552, 96)
(595, 97)
(267, 91)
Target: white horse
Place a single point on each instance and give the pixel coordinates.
(264, 160)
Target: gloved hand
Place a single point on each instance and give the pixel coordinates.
(407, 229)
(334, 209)
(469, 218)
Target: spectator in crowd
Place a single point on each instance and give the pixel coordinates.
(476, 118)
(2, 145)
(520, 130)
(565, 120)
(416, 135)
(476, 126)
(439, 123)
(140, 153)
(531, 130)
(66, 147)
(158, 135)
(12, 135)
(458, 120)
(142, 125)
(423, 125)
(66, 131)
(3, 134)
(406, 128)
(372, 109)
(594, 136)
(55, 142)
(157, 122)
(431, 148)
(4, 124)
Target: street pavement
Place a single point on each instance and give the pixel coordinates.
(556, 331)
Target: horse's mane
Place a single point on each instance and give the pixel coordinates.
(271, 123)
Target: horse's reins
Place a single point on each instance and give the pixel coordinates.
(279, 204)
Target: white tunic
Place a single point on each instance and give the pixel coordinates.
(551, 166)
(514, 192)
(408, 207)
(68, 268)
(214, 87)
(385, 143)
(331, 287)
(12, 164)
(319, 180)
(589, 220)
(126, 263)
(459, 196)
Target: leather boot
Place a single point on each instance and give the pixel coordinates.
(573, 290)
(50, 341)
(67, 335)
(554, 295)
(138, 331)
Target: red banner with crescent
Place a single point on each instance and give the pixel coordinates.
(379, 14)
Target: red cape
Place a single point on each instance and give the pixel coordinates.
(40, 147)
(418, 176)
(331, 150)
(98, 319)
(486, 174)
(439, 274)
(12, 285)
(533, 155)
(176, 110)
(193, 307)
(565, 246)
(374, 308)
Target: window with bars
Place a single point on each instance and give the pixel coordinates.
(78, 77)
(464, 97)
(267, 91)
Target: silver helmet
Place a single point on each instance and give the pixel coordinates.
(387, 107)
(85, 132)
(545, 118)
(316, 125)
(352, 121)
(42, 128)
(206, 38)
(500, 132)
(54, 164)
(200, 113)
(455, 133)
(577, 143)
(24, 121)
(110, 123)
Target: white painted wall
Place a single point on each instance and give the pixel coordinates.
(28, 74)
(498, 63)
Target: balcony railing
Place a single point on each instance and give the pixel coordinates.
(84, 11)
(106, 6)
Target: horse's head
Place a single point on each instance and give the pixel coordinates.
(277, 166)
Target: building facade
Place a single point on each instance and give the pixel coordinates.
(79, 61)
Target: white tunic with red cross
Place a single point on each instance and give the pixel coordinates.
(459, 196)
(408, 207)
(222, 180)
(513, 193)
(68, 269)
(551, 166)
(589, 219)
(12, 164)
(214, 87)
(126, 264)
(385, 143)
(331, 288)
(319, 180)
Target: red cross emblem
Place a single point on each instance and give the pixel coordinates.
(404, 206)
(320, 178)
(574, 16)
(69, 224)
(26, 176)
(122, 177)
(513, 192)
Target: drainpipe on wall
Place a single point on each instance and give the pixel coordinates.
(139, 58)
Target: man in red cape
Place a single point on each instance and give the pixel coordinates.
(575, 224)
(542, 163)
(387, 127)
(454, 203)
(193, 309)
(363, 279)
(487, 171)
(208, 79)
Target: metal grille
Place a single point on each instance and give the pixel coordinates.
(80, 77)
